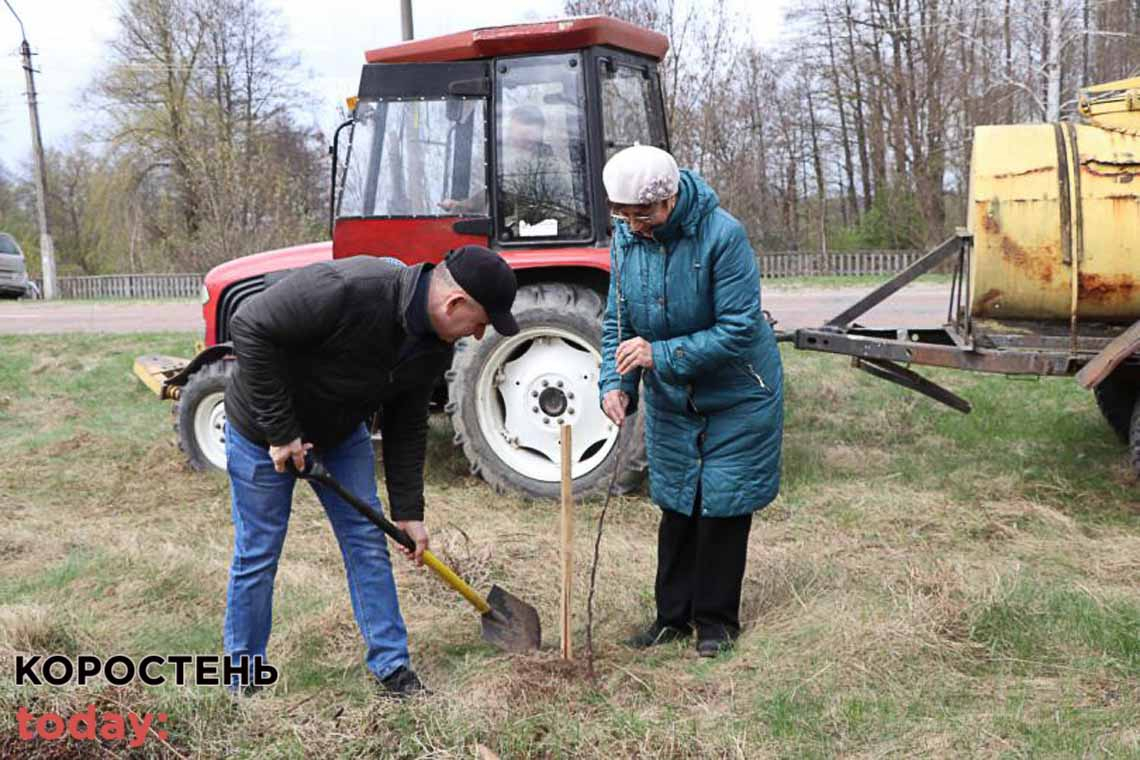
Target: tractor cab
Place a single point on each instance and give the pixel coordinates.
(493, 136)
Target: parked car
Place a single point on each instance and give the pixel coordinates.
(14, 281)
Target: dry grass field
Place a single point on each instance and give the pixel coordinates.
(928, 584)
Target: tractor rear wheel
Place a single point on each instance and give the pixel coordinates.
(508, 397)
(200, 416)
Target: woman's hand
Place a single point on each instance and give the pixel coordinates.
(634, 353)
(614, 405)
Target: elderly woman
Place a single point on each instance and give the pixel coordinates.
(683, 322)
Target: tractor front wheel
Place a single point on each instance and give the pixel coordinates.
(200, 416)
(509, 396)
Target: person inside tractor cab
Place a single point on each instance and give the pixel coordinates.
(534, 186)
(317, 354)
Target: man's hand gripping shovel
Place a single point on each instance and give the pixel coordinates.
(508, 622)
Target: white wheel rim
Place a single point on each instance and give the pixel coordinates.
(210, 429)
(532, 383)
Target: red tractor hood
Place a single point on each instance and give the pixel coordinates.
(224, 275)
(267, 261)
(295, 257)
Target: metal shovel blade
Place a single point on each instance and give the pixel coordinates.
(512, 624)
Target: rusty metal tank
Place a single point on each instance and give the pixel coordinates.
(1055, 214)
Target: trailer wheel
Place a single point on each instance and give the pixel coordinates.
(1134, 440)
(1116, 397)
(200, 417)
(508, 397)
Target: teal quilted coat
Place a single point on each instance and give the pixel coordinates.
(713, 402)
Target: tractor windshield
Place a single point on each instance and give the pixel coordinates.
(419, 157)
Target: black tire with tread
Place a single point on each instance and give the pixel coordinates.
(1116, 398)
(574, 308)
(208, 379)
(1134, 439)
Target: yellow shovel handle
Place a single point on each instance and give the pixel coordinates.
(457, 583)
(314, 470)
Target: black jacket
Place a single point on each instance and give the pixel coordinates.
(321, 350)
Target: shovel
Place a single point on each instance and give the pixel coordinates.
(508, 622)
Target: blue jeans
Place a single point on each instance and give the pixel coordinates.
(262, 500)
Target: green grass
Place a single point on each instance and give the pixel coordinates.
(1032, 626)
(1043, 435)
(52, 580)
(927, 584)
(1072, 730)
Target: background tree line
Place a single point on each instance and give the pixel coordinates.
(198, 157)
(854, 131)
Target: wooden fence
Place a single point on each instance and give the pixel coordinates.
(772, 264)
(847, 263)
(143, 286)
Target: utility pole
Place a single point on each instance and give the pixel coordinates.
(405, 19)
(47, 248)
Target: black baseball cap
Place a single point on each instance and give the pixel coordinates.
(489, 280)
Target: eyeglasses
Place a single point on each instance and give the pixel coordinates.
(632, 219)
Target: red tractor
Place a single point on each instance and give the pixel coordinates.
(498, 137)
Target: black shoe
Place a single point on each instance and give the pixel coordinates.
(658, 634)
(713, 647)
(245, 692)
(714, 639)
(402, 683)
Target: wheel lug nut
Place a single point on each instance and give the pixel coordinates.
(570, 396)
(559, 383)
(534, 409)
(534, 394)
(545, 383)
(571, 410)
(545, 420)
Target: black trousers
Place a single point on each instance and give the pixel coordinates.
(700, 570)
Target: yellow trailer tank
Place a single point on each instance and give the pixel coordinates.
(1055, 215)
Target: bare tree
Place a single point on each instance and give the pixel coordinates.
(855, 129)
(201, 101)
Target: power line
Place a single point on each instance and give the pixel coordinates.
(23, 36)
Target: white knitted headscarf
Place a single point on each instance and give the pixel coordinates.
(640, 174)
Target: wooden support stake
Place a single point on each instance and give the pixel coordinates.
(567, 542)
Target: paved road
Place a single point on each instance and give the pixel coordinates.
(920, 305)
(25, 317)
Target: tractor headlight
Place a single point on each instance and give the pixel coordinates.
(204, 296)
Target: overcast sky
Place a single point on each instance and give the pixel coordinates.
(330, 36)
